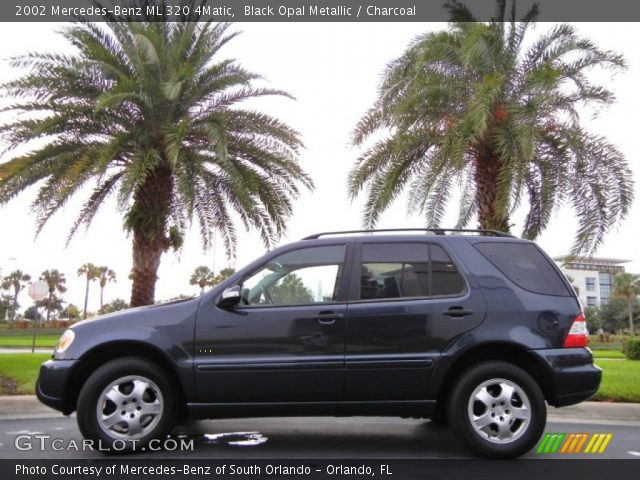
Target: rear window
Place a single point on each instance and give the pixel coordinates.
(525, 265)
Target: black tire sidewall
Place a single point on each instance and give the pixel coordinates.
(103, 376)
(460, 423)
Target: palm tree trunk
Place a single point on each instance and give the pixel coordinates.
(630, 312)
(48, 307)
(488, 167)
(152, 203)
(14, 307)
(101, 297)
(86, 298)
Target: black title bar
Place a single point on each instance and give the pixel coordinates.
(307, 11)
(315, 469)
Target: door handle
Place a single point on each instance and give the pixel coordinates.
(457, 312)
(327, 318)
(327, 321)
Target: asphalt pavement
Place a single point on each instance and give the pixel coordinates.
(27, 431)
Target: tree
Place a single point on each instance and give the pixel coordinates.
(478, 106)
(6, 302)
(15, 281)
(51, 304)
(91, 274)
(114, 306)
(202, 276)
(148, 109)
(615, 314)
(594, 319)
(55, 281)
(290, 290)
(626, 286)
(105, 274)
(32, 313)
(71, 312)
(223, 275)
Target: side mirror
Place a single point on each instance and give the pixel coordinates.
(230, 297)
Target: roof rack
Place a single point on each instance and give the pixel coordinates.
(437, 231)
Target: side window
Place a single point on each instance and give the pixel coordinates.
(301, 277)
(444, 277)
(397, 270)
(525, 265)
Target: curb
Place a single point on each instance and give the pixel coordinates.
(597, 412)
(13, 407)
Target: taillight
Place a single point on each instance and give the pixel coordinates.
(578, 335)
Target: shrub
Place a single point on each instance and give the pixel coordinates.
(632, 349)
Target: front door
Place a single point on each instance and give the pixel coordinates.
(285, 341)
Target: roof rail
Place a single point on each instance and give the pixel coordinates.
(437, 231)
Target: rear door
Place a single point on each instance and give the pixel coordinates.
(407, 301)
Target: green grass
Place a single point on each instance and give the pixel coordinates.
(607, 354)
(25, 332)
(42, 341)
(23, 368)
(620, 381)
(605, 346)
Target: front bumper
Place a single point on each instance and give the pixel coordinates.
(53, 383)
(574, 377)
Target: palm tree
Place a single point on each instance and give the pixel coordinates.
(477, 106)
(52, 303)
(105, 274)
(55, 282)
(202, 276)
(223, 275)
(627, 287)
(91, 273)
(148, 109)
(16, 280)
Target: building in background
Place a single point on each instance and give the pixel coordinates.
(592, 277)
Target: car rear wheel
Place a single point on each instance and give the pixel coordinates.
(497, 410)
(125, 404)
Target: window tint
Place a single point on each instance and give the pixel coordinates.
(525, 265)
(445, 278)
(301, 277)
(394, 270)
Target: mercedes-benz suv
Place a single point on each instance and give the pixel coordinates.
(477, 329)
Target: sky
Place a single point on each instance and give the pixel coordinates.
(333, 70)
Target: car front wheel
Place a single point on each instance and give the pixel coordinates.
(126, 403)
(497, 410)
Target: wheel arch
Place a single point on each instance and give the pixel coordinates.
(494, 351)
(108, 351)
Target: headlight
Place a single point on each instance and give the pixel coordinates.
(65, 341)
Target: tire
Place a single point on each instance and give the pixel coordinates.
(126, 403)
(507, 415)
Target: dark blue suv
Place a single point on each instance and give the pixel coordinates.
(477, 329)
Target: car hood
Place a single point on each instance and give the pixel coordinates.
(168, 327)
(139, 314)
